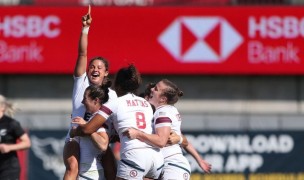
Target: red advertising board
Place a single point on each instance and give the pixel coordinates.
(158, 40)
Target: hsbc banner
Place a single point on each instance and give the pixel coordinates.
(158, 40)
(249, 155)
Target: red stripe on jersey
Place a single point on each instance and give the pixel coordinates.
(163, 120)
(106, 110)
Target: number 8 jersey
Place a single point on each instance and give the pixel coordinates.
(129, 111)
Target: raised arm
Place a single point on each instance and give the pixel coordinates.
(81, 63)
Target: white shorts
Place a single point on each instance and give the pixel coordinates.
(96, 175)
(176, 167)
(139, 163)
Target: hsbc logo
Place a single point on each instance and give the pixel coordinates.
(200, 39)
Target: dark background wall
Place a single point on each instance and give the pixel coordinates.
(216, 102)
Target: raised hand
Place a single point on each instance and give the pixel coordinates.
(87, 19)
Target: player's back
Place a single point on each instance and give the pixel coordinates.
(133, 112)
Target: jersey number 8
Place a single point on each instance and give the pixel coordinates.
(140, 120)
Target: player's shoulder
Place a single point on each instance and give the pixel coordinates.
(10, 120)
(166, 110)
(112, 94)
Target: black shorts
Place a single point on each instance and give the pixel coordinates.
(10, 169)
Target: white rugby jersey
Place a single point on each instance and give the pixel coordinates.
(129, 111)
(168, 115)
(90, 155)
(80, 84)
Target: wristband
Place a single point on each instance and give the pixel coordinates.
(85, 29)
(181, 140)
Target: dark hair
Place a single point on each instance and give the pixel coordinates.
(99, 91)
(127, 79)
(172, 92)
(102, 59)
(106, 64)
(147, 91)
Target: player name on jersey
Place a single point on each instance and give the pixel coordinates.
(137, 102)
